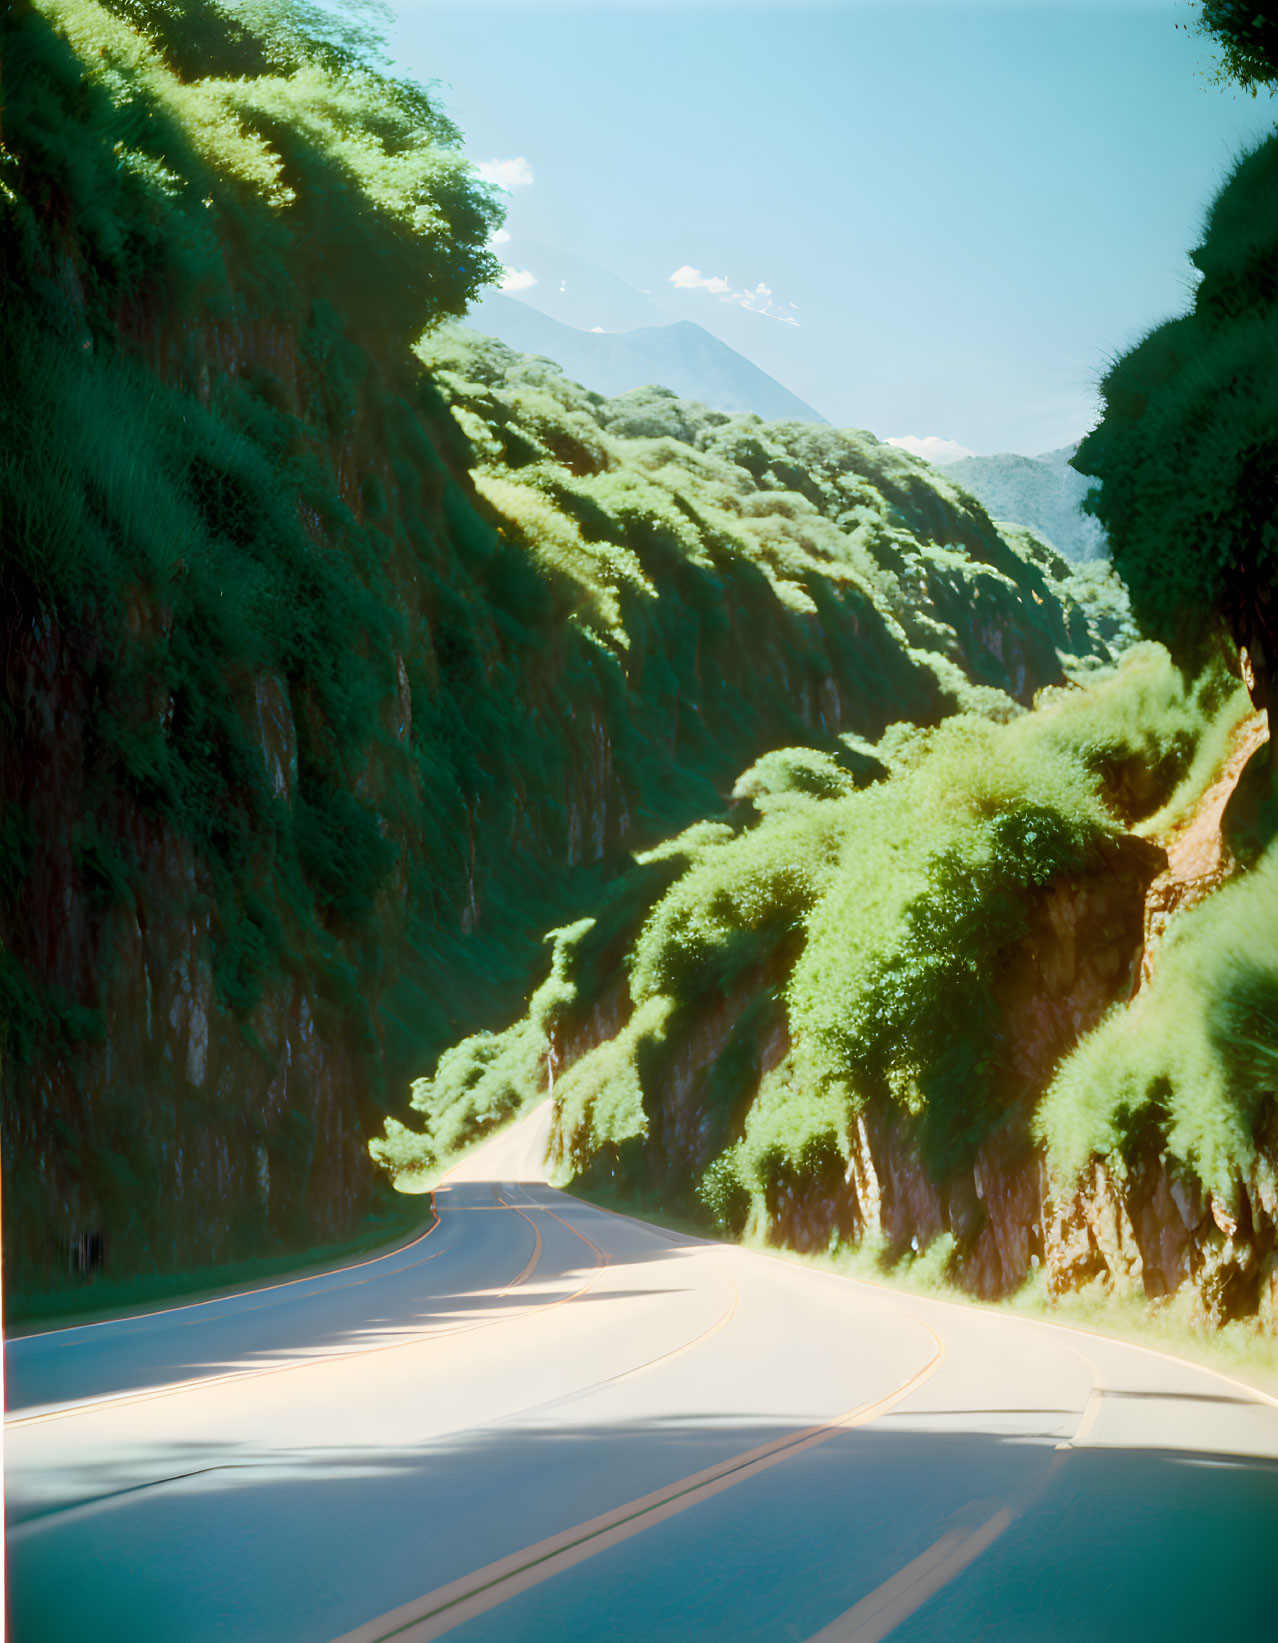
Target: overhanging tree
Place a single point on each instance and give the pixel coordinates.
(1187, 449)
(1246, 32)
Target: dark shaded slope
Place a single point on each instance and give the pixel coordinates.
(331, 681)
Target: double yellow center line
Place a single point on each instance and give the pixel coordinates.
(450, 1606)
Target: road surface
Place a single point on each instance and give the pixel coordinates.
(542, 1422)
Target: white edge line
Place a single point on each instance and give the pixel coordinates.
(791, 1258)
(993, 1311)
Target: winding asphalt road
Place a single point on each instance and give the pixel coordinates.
(541, 1422)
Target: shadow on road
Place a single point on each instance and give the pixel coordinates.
(307, 1544)
(460, 1276)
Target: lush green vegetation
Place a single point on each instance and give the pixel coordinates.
(376, 663)
(827, 518)
(1185, 452)
(892, 995)
(1194, 1060)
(182, 526)
(1247, 38)
(360, 650)
(869, 925)
(480, 1083)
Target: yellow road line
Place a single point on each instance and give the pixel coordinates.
(1092, 1408)
(880, 1612)
(875, 1616)
(721, 1322)
(425, 1337)
(449, 1606)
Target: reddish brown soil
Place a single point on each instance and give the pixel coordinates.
(1198, 859)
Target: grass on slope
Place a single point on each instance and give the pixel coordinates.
(866, 922)
(1194, 1056)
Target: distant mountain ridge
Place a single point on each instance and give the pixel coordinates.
(1043, 492)
(681, 356)
(577, 292)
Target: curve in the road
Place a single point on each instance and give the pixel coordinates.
(445, 1609)
(149, 1393)
(668, 1438)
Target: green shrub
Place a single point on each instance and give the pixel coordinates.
(600, 1099)
(743, 897)
(484, 1081)
(930, 893)
(725, 1195)
(1191, 1063)
(793, 770)
(799, 1121)
(1151, 734)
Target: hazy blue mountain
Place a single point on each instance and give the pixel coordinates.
(681, 356)
(1042, 492)
(576, 292)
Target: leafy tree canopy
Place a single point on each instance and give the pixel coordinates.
(1246, 31)
(1187, 450)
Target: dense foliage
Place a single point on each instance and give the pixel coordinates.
(838, 946)
(613, 493)
(1193, 1062)
(183, 527)
(357, 649)
(1247, 36)
(870, 924)
(338, 672)
(1188, 445)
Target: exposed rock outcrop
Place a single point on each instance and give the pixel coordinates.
(1148, 1229)
(305, 740)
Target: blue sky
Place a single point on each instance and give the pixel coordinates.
(959, 211)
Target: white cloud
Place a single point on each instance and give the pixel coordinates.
(516, 173)
(758, 300)
(501, 237)
(692, 279)
(599, 330)
(932, 448)
(517, 279)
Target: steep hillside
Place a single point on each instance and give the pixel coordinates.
(682, 357)
(1160, 1128)
(336, 673)
(1042, 492)
(884, 1002)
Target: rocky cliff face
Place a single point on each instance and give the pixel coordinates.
(306, 740)
(149, 1115)
(1152, 1229)
(188, 1119)
(155, 1110)
(1081, 953)
(1155, 1229)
